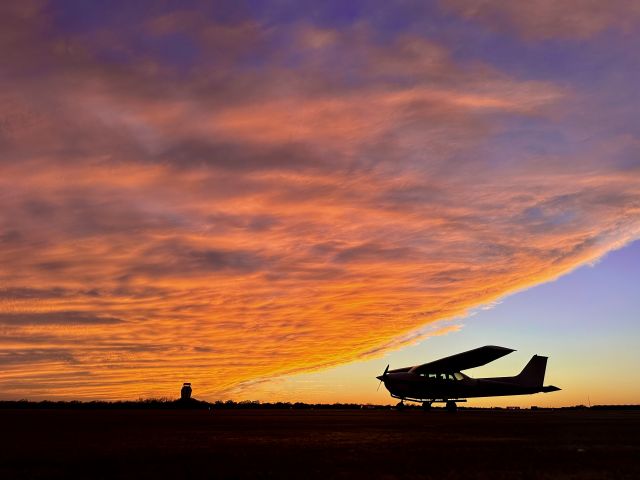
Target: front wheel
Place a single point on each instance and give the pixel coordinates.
(426, 406)
(451, 407)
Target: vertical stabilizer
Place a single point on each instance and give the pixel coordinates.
(532, 375)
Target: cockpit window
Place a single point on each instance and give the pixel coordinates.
(449, 377)
(444, 376)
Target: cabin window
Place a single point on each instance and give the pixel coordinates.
(458, 376)
(450, 377)
(433, 376)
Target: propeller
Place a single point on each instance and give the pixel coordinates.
(381, 377)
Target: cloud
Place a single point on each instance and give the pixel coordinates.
(541, 19)
(309, 197)
(22, 357)
(54, 318)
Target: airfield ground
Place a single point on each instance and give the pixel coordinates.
(583, 444)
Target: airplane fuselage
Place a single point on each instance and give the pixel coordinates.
(456, 385)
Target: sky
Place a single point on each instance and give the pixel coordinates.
(276, 199)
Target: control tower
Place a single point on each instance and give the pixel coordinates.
(185, 392)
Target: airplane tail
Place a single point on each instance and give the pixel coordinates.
(532, 375)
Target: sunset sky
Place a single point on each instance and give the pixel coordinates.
(274, 200)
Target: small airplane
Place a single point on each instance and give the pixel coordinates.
(442, 381)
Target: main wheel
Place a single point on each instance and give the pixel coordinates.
(400, 405)
(426, 406)
(451, 407)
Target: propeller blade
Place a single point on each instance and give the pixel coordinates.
(381, 377)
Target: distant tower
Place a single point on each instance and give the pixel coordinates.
(185, 393)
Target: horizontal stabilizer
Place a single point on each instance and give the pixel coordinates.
(550, 388)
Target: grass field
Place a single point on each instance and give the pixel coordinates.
(583, 444)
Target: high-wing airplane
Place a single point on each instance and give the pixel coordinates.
(442, 380)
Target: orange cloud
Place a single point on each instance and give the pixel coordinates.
(224, 225)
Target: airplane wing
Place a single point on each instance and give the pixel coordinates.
(463, 361)
(400, 370)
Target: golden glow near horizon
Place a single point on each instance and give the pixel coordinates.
(246, 217)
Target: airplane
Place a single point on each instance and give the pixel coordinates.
(442, 381)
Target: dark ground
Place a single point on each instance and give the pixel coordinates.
(582, 444)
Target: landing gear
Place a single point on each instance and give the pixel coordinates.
(451, 407)
(426, 406)
(400, 405)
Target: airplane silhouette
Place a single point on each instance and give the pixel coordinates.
(442, 380)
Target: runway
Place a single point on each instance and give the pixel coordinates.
(583, 444)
